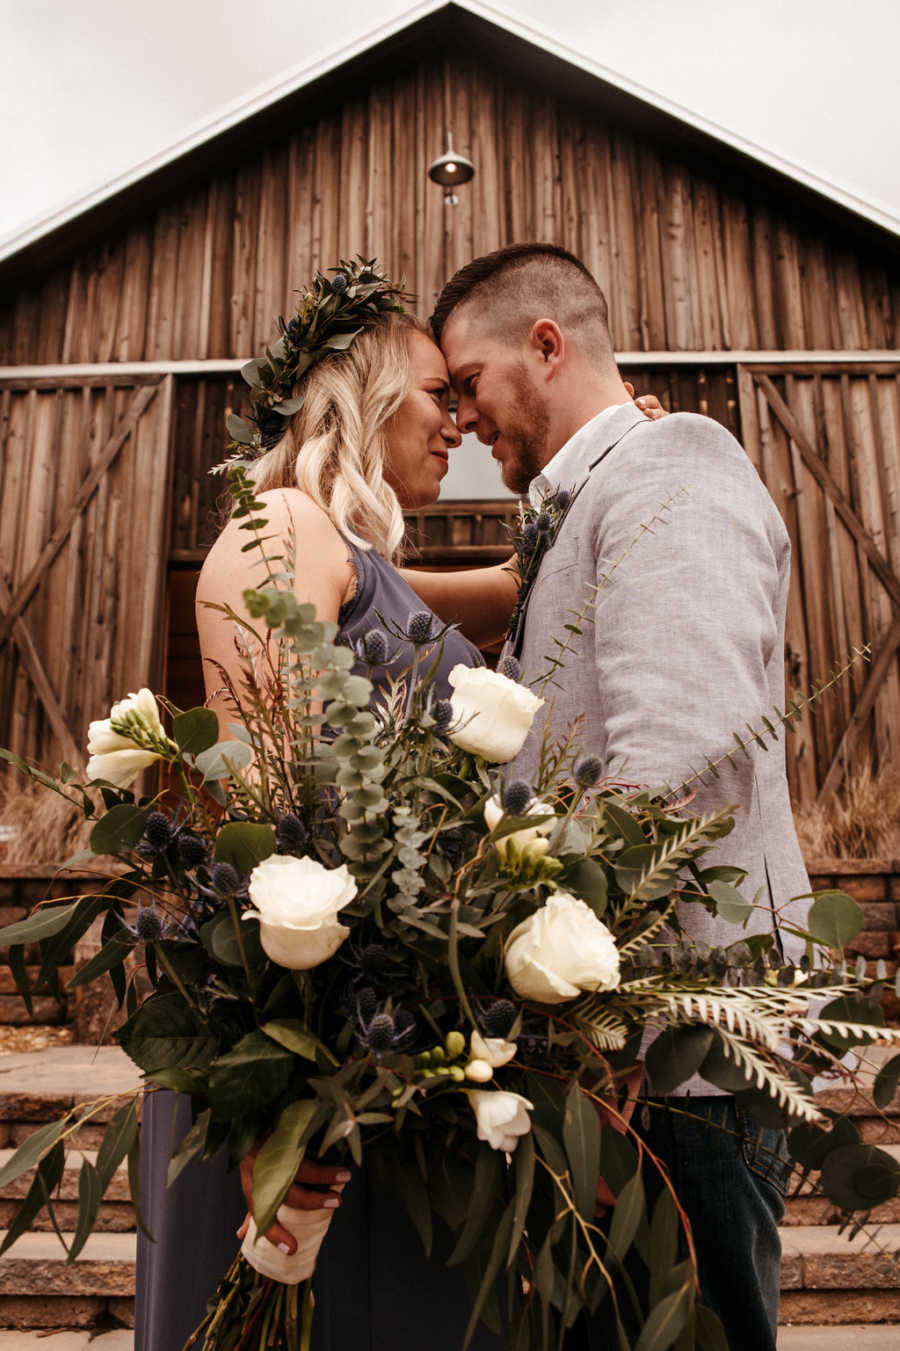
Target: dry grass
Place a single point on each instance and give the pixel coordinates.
(862, 820)
(47, 829)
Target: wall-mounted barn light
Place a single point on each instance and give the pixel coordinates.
(449, 170)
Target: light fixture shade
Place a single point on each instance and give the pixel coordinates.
(450, 169)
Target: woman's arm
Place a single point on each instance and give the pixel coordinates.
(479, 600)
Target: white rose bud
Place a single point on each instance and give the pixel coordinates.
(561, 949)
(501, 1117)
(479, 1071)
(530, 842)
(492, 715)
(496, 1051)
(126, 742)
(297, 902)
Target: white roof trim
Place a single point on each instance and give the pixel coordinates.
(240, 109)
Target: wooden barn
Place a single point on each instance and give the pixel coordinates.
(734, 290)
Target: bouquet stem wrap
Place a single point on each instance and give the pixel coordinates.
(308, 1227)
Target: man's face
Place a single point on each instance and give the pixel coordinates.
(498, 400)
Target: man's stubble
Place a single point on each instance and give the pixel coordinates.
(527, 435)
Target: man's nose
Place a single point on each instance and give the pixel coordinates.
(450, 432)
(466, 414)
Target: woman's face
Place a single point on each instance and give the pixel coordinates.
(421, 432)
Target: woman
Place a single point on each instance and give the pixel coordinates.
(373, 438)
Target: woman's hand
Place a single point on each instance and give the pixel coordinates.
(649, 404)
(316, 1187)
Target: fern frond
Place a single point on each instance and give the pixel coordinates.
(771, 1080)
(675, 853)
(652, 929)
(605, 1029)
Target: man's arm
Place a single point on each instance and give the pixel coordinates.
(686, 623)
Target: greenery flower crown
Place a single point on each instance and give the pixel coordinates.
(332, 312)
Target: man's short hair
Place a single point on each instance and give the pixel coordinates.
(512, 287)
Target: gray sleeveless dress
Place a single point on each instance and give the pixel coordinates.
(374, 1289)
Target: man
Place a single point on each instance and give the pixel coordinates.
(682, 646)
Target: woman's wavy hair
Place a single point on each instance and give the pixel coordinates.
(336, 445)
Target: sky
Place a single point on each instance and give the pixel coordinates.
(93, 90)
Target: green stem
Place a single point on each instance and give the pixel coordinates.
(453, 962)
(306, 1322)
(239, 935)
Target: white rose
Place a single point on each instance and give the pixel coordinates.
(501, 1117)
(492, 715)
(121, 745)
(297, 902)
(559, 950)
(530, 842)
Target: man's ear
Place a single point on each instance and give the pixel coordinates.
(547, 345)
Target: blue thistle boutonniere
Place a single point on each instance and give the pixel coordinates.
(532, 536)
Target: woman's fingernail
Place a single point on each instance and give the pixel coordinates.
(642, 403)
(344, 1177)
(331, 1203)
(284, 1247)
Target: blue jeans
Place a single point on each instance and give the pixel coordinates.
(732, 1183)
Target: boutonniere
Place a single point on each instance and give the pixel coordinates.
(534, 533)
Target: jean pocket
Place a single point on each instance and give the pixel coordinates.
(765, 1152)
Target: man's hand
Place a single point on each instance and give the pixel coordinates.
(316, 1187)
(649, 404)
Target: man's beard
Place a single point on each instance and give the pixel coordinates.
(526, 438)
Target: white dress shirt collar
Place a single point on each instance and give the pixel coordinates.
(571, 462)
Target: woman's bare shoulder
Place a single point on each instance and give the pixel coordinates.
(291, 517)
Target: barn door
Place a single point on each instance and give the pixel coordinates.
(825, 442)
(84, 484)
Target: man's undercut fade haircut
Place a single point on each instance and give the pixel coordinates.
(506, 291)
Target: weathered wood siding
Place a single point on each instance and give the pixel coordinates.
(689, 261)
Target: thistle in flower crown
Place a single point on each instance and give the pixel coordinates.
(332, 312)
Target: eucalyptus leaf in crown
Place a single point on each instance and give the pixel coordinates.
(366, 941)
(332, 311)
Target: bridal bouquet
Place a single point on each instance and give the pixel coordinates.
(364, 941)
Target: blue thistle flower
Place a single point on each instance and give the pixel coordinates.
(516, 797)
(442, 712)
(543, 522)
(147, 924)
(418, 626)
(510, 668)
(157, 833)
(530, 535)
(291, 834)
(588, 771)
(191, 850)
(226, 879)
(498, 1017)
(339, 283)
(375, 647)
(562, 499)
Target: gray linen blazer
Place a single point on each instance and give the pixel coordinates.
(685, 642)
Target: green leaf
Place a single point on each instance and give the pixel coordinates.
(860, 1177)
(237, 429)
(623, 824)
(196, 730)
(44, 923)
(278, 1160)
(850, 1009)
(489, 1166)
(249, 1077)
(523, 1160)
(90, 1193)
(666, 1320)
(414, 1195)
(243, 844)
(190, 1146)
(164, 1033)
(491, 1271)
(31, 1151)
(220, 940)
(663, 1246)
(581, 1137)
(587, 879)
(885, 1085)
(119, 829)
(809, 1145)
(508, 825)
(118, 1139)
(629, 1207)
(834, 919)
(721, 1069)
(731, 906)
(676, 1054)
(223, 759)
(46, 1179)
(134, 1185)
(291, 1033)
(709, 1331)
(19, 971)
(111, 954)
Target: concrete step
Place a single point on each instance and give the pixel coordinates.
(116, 1214)
(40, 1086)
(121, 1340)
(859, 1336)
(828, 1278)
(39, 1290)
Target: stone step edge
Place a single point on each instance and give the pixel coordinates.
(116, 1191)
